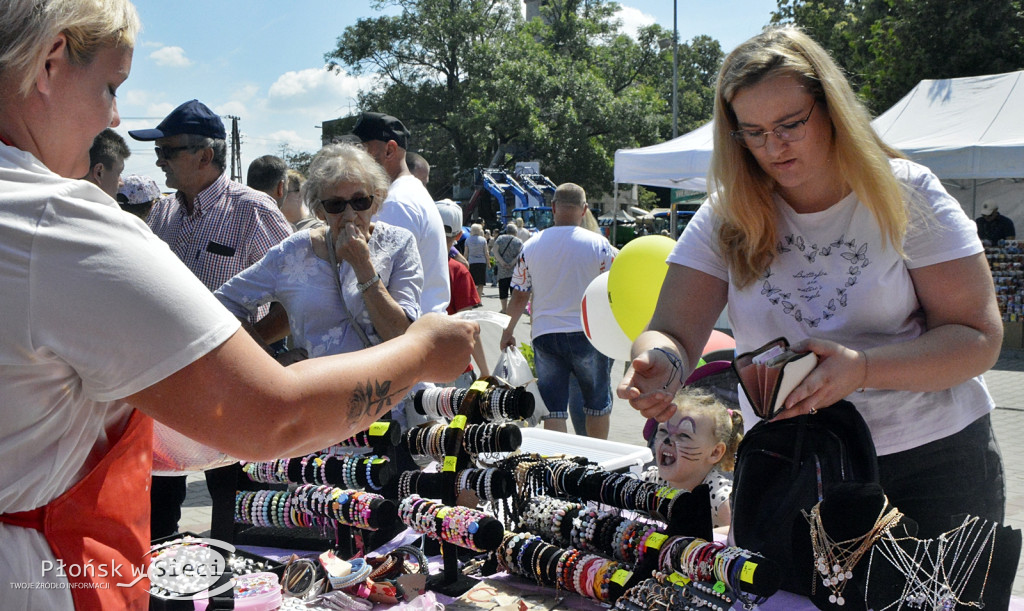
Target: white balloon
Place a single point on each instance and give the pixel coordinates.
(599, 323)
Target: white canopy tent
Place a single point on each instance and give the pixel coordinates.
(970, 132)
(961, 128)
(680, 163)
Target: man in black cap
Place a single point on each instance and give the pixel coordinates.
(217, 227)
(408, 204)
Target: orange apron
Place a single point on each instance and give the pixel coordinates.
(97, 522)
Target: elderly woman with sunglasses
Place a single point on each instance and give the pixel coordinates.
(345, 284)
(818, 231)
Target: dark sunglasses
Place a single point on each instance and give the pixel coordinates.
(170, 152)
(337, 206)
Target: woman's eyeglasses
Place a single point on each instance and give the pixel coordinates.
(337, 206)
(787, 132)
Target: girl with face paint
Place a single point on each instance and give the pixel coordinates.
(698, 445)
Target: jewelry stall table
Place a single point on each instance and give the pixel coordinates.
(780, 601)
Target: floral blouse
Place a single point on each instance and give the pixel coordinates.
(292, 274)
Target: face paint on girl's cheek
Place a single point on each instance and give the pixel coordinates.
(690, 453)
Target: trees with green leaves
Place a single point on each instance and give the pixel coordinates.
(472, 80)
(887, 46)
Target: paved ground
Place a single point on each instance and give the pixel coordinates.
(1005, 382)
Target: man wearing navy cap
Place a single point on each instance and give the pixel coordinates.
(217, 227)
(408, 204)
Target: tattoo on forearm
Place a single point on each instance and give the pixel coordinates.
(374, 398)
(677, 365)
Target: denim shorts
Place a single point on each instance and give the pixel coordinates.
(556, 356)
(937, 483)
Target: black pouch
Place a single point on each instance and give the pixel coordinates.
(787, 466)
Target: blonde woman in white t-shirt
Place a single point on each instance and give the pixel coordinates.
(818, 231)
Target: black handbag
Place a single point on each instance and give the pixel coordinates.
(787, 466)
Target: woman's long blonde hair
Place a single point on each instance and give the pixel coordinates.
(747, 234)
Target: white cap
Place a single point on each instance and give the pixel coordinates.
(139, 189)
(451, 216)
(988, 207)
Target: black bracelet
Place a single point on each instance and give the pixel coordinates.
(421, 558)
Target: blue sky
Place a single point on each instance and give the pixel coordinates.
(262, 61)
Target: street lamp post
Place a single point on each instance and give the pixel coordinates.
(675, 69)
(675, 105)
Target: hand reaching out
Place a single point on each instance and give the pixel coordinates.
(449, 342)
(651, 382)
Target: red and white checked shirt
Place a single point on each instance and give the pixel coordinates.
(230, 228)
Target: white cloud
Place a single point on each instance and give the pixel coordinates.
(294, 106)
(233, 107)
(245, 93)
(315, 90)
(293, 139)
(136, 98)
(160, 109)
(633, 19)
(173, 57)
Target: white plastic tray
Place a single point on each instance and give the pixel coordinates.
(610, 455)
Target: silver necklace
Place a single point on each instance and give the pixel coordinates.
(938, 581)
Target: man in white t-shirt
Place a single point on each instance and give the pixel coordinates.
(408, 204)
(556, 266)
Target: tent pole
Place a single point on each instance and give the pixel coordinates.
(615, 214)
(974, 199)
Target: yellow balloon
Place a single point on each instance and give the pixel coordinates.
(635, 280)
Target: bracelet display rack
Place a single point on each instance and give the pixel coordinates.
(564, 504)
(479, 423)
(339, 468)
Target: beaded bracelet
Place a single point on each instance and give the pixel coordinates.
(369, 468)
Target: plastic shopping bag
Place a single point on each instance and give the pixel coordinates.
(176, 454)
(513, 368)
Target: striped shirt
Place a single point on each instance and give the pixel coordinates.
(230, 228)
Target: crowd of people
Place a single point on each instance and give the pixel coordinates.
(252, 318)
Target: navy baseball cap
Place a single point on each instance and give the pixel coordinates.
(192, 117)
(379, 126)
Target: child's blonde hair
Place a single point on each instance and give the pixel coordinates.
(728, 423)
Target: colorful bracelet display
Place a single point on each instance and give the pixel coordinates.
(476, 439)
(488, 484)
(461, 526)
(345, 470)
(710, 566)
(311, 505)
(496, 404)
(573, 570)
(673, 592)
(750, 577)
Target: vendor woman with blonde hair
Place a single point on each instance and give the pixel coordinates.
(82, 372)
(818, 231)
